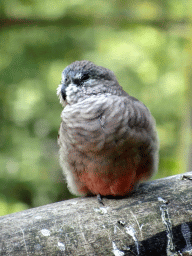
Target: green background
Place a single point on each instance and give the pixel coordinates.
(146, 44)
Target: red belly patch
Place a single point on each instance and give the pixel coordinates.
(115, 182)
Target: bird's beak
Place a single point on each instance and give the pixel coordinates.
(63, 91)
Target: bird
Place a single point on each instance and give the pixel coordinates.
(108, 141)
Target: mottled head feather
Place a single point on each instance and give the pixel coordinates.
(94, 71)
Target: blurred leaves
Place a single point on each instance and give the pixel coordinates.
(143, 42)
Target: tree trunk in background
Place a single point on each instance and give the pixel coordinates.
(154, 220)
(188, 131)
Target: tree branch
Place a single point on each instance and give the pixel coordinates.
(154, 220)
(77, 20)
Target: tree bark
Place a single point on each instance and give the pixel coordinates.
(154, 220)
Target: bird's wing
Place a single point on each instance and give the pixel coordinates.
(100, 120)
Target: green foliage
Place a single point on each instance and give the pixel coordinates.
(39, 39)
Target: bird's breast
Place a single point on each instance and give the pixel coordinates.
(95, 123)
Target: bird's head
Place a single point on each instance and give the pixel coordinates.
(82, 79)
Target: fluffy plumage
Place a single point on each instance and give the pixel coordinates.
(108, 140)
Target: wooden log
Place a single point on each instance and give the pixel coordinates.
(155, 220)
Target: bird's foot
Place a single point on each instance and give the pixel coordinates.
(99, 198)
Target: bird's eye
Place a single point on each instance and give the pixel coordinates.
(81, 79)
(77, 81)
(85, 77)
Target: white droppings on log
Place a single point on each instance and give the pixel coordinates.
(45, 232)
(167, 222)
(131, 231)
(38, 217)
(101, 210)
(61, 246)
(116, 251)
(185, 230)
